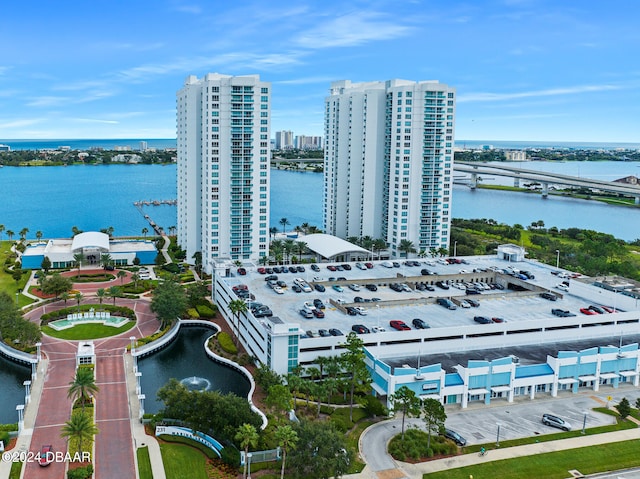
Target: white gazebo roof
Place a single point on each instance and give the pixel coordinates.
(91, 239)
(329, 246)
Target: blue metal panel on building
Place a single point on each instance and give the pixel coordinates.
(533, 370)
(453, 379)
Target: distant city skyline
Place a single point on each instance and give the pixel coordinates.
(524, 70)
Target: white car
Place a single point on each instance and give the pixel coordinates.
(308, 305)
(562, 287)
(378, 329)
(354, 287)
(361, 311)
(464, 304)
(361, 266)
(386, 264)
(278, 289)
(405, 287)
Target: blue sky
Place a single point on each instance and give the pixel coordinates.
(524, 69)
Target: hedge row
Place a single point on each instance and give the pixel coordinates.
(205, 311)
(226, 343)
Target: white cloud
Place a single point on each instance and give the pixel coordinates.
(306, 81)
(355, 28)
(94, 120)
(47, 101)
(19, 123)
(476, 97)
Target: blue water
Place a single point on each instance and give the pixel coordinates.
(12, 376)
(106, 144)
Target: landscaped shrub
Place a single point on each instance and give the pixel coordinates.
(414, 445)
(80, 473)
(230, 456)
(4, 437)
(205, 311)
(172, 268)
(226, 343)
(193, 313)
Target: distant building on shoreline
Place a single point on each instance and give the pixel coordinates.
(388, 162)
(223, 125)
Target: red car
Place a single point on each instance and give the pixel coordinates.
(587, 311)
(399, 325)
(242, 271)
(318, 313)
(331, 267)
(609, 309)
(369, 265)
(46, 455)
(262, 270)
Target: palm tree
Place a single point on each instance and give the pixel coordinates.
(78, 259)
(23, 233)
(378, 245)
(288, 246)
(237, 307)
(172, 230)
(145, 231)
(406, 247)
(81, 428)
(113, 292)
(287, 439)
(78, 297)
(110, 230)
(64, 296)
(38, 235)
(75, 230)
(367, 243)
(273, 231)
(122, 275)
(2, 228)
(105, 259)
(135, 277)
(82, 386)
(100, 294)
(10, 234)
(284, 222)
(264, 260)
(247, 436)
(301, 247)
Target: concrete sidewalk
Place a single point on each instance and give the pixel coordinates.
(139, 435)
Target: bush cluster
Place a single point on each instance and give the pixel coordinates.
(414, 446)
(81, 473)
(193, 313)
(205, 311)
(226, 343)
(153, 337)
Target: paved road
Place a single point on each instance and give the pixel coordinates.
(114, 451)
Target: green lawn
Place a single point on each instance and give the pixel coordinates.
(587, 460)
(7, 283)
(178, 459)
(144, 463)
(87, 331)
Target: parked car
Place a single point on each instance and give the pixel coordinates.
(360, 266)
(354, 287)
(296, 288)
(455, 437)
(310, 334)
(360, 329)
(371, 287)
(399, 325)
(300, 269)
(351, 311)
(369, 265)
(442, 285)
(305, 313)
(324, 333)
(262, 312)
(242, 271)
(597, 309)
(318, 303)
(465, 304)
(562, 313)
(347, 267)
(271, 277)
(331, 267)
(419, 324)
(498, 320)
(395, 264)
(482, 320)
(386, 264)
(360, 310)
(261, 270)
(318, 313)
(446, 303)
(46, 455)
(319, 287)
(335, 332)
(549, 296)
(555, 421)
(293, 269)
(587, 311)
(358, 299)
(277, 289)
(378, 329)
(473, 303)
(562, 287)
(338, 288)
(315, 267)
(277, 269)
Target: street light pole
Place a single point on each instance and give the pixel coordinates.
(584, 421)
(249, 455)
(557, 258)
(455, 248)
(498, 435)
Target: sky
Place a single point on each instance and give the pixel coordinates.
(536, 70)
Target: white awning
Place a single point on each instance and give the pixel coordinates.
(567, 380)
(587, 378)
(628, 374)
(500, 389)
(478, 391)
(430, 396)
(609, 375)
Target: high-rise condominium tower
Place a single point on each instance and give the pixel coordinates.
(388, 162)
(223, 167)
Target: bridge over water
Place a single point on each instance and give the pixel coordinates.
(544, 178)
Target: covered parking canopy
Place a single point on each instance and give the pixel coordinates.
(329, 247)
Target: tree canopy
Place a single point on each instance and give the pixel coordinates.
(169, 301)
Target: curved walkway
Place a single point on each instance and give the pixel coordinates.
(116, 407)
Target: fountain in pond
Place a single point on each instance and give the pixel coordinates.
(195, 383)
